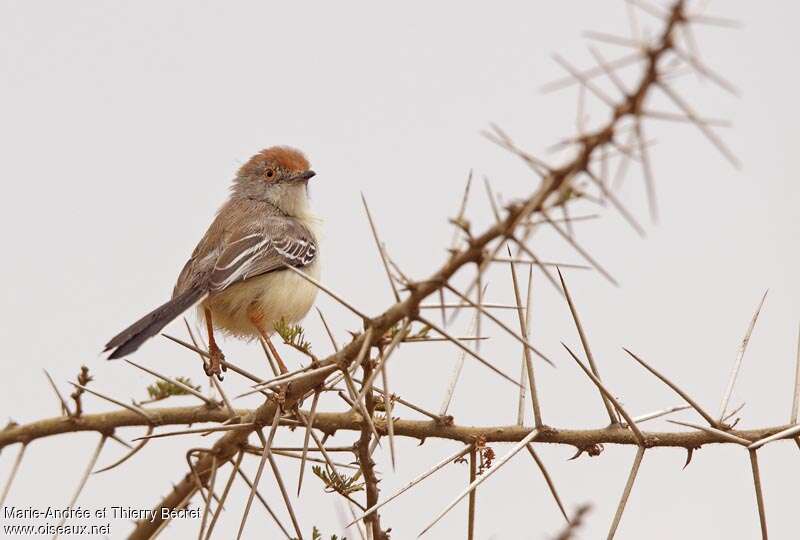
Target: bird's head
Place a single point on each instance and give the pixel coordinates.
(278, 175)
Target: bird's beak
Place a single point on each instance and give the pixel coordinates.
(306, 176)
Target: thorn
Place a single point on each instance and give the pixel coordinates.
(626, 492)
(762, 517)
(327, 291)
(631, 424)
(586, 349)
(502, 461)
(463, 348)
(677, 390)
(689, 452)
(449, 459)
(737, 366)
(381, 249)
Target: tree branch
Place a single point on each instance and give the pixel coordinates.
(329, 423)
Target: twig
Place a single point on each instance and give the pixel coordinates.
(83, 379)
(364, 454)
(132, 408)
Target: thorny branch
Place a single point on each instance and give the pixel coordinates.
(558, 185)
(330, 423)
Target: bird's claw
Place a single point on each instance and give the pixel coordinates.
(216, 362)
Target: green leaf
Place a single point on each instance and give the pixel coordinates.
(163, 389)
(338, 483)
(294, 335)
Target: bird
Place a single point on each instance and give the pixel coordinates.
(237, 276)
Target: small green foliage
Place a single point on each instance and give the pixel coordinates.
(293, 335)
(163, 389)
(422, 332)
(339, 483)
(398, 327)
(380, 403)
(316, 535)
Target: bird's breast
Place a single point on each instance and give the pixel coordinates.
(281, 294)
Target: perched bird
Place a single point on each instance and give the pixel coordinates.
(237, 274)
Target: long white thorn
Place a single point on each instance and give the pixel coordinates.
(502, 461)
(414, 482)
(737, 366)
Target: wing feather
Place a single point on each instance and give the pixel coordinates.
(276, 242)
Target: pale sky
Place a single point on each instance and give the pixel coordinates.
(123, 124)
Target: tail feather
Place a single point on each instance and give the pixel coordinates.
(132, 337)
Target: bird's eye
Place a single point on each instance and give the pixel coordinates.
(270, 173)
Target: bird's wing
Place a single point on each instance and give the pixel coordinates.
(276, 242)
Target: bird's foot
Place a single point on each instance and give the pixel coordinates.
(216, 362)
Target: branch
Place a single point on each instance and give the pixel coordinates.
(329, 423)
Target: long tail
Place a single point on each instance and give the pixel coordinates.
(132, 337)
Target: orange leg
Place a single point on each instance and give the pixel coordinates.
(216, 357)
(257, 318)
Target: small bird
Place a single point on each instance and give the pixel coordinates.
(237, 274)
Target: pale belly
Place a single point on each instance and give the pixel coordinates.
(277, 295)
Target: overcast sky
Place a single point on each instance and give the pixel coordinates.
(123, 124)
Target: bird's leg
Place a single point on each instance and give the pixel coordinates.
(215, 353)
(257, 318)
